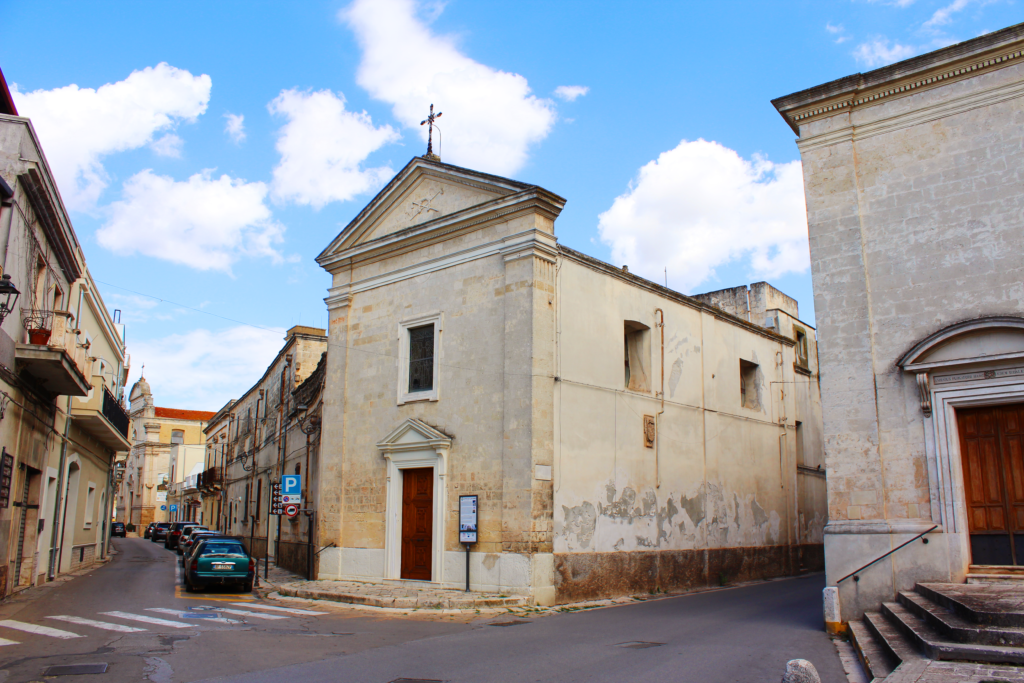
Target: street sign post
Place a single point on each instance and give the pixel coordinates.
(174, 507)
(276, 503)
(467, 526)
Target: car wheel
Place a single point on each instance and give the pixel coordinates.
(247, 586)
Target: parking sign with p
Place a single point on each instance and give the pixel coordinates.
(291, 489)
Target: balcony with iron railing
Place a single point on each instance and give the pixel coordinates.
(102, 416)
(51, 354)
(210, 480)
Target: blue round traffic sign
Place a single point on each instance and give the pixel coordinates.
(163, 507)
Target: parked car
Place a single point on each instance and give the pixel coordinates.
(174, 533)
(149, 530)
(117, 529)
(159, 532)
(189, 543)
(219, 561)
(185, 533)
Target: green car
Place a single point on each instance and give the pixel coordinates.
(219, 562)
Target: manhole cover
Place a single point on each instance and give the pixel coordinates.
(639, 644)
(514, 622)
(75, 669)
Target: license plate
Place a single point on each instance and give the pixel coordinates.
(227, 567)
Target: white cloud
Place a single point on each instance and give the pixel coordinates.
(490, 117)
(569, 93)
(833, 29)
(168, 146)
(881, 51)
(79, 126)
(838, 31)
(203, 369)
(700, 206)
(205, 223)
(235, 127)
(944, 15)
(322, 147)
(134, 309)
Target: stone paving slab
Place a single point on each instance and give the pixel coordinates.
(930, 671)
(398, 597)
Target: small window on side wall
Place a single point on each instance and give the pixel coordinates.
(637, 353)
(177, 436)
(801, 347)
(750, 395)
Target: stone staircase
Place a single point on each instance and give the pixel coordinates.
(973, 622)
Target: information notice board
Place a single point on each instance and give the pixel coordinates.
(467, 519)
(6, 476)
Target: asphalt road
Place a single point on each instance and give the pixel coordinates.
(159, 634)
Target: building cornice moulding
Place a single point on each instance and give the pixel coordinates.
(444, 228)
(948, 65)
(916, 117)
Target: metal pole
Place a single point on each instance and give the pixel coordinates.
(309, 551)
(252, 529)
(467, 566)
(60, 490)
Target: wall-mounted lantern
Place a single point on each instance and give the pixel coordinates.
(8, 297)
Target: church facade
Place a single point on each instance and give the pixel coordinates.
(912, 177)
(620, 437)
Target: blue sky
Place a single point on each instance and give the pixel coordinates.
(652, 119)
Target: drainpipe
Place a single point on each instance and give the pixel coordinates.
(657, 417)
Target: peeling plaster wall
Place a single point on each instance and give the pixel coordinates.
(728, 481)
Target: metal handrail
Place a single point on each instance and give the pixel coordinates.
(882, 557)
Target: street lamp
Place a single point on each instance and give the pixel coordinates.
(307, 423)
(7, 291)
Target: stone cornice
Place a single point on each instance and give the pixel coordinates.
(941, 67)
(417, 167)
(533, 199)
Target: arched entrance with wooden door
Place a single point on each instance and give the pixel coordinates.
(970, 381)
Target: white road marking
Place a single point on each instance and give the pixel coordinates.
(38, 630)
(105, 625)
(148, 620)
(181, 612)
(290, 610)
(243, 613)
(4, 641)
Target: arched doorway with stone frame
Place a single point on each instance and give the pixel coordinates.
(970, 381)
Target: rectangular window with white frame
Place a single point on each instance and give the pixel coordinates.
(419, 345)
(90, 504)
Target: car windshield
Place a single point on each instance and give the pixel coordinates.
(222, 550)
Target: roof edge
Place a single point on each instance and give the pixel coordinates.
(907, 68)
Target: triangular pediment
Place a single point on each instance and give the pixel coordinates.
(413, 433)
(422, 192)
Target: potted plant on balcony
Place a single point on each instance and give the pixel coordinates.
(38, 326)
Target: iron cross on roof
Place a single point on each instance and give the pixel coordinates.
(429, 121)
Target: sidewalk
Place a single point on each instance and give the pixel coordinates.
(402, 597)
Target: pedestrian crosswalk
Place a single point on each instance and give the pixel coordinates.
(192, 617)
